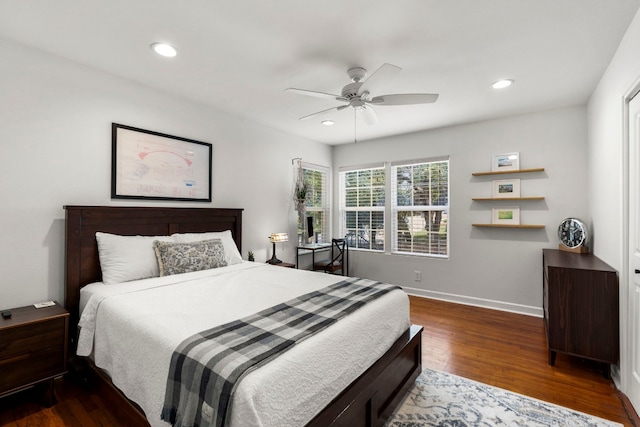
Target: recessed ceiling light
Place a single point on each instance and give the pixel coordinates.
(328, 122)
(501, 84)
(164, 49)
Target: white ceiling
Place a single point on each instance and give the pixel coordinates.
(239, 55)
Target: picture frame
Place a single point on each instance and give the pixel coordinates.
(156, 166)
(505, 162)
(506, 215)
(506, 189)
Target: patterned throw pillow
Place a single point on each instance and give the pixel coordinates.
(176, 258)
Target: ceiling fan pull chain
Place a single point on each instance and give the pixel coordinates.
(355, 127)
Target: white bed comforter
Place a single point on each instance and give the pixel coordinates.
(133, 328)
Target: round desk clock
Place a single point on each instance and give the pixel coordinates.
(573, 235)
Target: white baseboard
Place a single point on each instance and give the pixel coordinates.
(477, 302)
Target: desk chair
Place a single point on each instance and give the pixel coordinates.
(339, 258)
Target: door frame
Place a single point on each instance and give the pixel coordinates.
(626, 352)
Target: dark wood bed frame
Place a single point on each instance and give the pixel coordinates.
(368, 401)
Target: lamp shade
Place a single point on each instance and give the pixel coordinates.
(279, 237)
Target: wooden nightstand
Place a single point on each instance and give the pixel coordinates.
(33, 347)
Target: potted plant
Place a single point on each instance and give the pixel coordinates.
(250, 256)
(300, 195)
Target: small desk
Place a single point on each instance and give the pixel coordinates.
(311, 247)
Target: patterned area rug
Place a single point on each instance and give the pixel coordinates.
(443, 400)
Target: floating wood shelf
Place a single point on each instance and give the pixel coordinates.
(506, 172)
(507, 198)
(509, 225)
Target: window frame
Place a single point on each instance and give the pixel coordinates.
(357, 234)
(390, 209)
(325, 207)
(440, 210)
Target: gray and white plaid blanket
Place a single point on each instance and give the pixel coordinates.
(206, 367)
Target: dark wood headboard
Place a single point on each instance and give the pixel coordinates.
(82, 222)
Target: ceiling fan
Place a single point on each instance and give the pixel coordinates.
(357, 94)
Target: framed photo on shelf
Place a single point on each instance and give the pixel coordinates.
(505, 162)
(157, 166)
(507, 215)
(506, 188)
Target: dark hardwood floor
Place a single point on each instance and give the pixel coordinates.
(502, 349)
(508, 350)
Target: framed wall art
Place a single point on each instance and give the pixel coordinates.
(153, 165)
(505, 162)
(506, 189)
(510, 215)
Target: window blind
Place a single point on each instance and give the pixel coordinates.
(317, 206)
(362, 205)
(420, 207)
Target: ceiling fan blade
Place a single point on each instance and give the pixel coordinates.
(316, 94)
(338, 108)
(404, 99)
(368, 114)
(385, 72)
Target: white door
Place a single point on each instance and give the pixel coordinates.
(632, 290)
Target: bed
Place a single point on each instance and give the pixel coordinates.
(367, 399)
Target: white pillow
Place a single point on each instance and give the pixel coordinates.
(125, 258)
(232, 255)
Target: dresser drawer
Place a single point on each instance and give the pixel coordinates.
(30, 367)
(36, 336)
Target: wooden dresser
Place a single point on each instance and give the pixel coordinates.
(581, 307)
(33, 347)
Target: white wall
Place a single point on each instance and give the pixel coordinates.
(55, 149)
(498, 268)
(607, 147)
(607, 178)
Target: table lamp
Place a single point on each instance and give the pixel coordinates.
(277, 238)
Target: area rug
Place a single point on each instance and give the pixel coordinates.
(439, 399)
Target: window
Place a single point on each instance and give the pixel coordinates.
(362, 205)
(416, 197)
(420, 207)
(317, 205)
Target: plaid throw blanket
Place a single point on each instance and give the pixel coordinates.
(206, 367)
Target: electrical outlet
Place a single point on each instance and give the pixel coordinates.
(417, 276)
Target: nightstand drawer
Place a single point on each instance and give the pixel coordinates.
(30, 367)
(38, 336)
